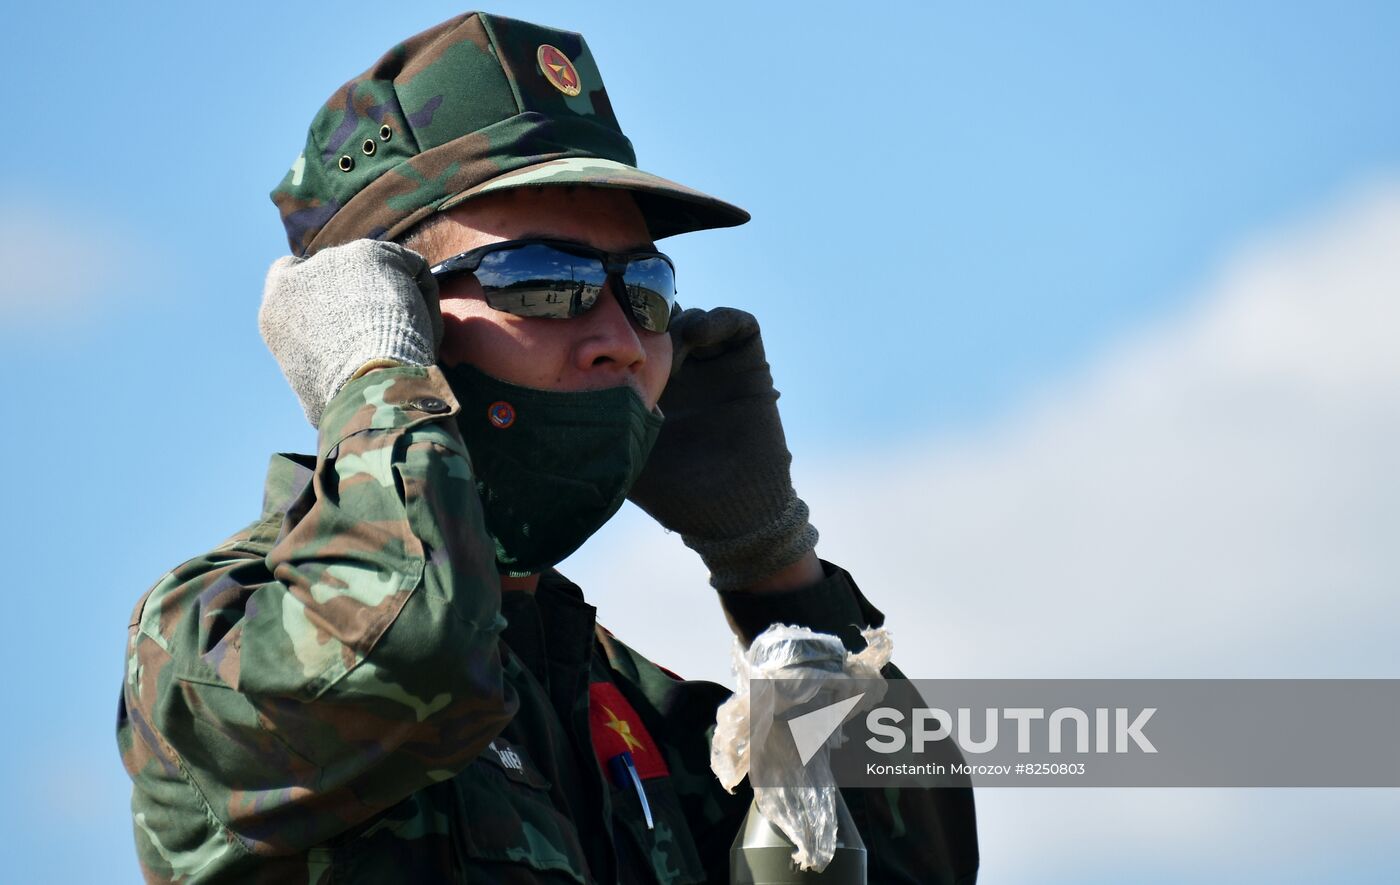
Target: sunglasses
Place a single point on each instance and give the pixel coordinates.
(559, 279)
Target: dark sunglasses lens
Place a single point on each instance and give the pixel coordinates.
(651, 290)
(540, 281)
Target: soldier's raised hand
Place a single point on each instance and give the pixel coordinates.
(327, 316)
(719, 473)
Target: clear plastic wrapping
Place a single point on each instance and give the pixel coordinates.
(812, 667)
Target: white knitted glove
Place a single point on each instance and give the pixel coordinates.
(326, 316)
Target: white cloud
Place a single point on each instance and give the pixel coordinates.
(1217, 495)
(56, 265)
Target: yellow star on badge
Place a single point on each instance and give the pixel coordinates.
(558, 69)
(622, 727)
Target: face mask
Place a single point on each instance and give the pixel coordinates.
(551, 467)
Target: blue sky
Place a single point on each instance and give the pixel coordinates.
(955, 206)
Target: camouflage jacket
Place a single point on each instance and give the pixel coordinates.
(341, 693)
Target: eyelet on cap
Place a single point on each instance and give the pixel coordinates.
(368, 147)
(347, 162)
(385, 133)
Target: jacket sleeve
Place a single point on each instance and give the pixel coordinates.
(303, 685)
(915, 836)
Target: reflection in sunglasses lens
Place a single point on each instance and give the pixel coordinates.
(651, 288)
(537, 280)
(540, 281)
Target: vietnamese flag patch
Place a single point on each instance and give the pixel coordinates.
(616, 728)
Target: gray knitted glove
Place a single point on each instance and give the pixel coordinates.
(719, 472)
(326, 316)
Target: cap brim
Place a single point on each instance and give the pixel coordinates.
(668, 207)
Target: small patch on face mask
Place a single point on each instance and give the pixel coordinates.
(501, 414)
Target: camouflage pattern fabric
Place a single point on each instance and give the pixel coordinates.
(341, 693)
(476, 104)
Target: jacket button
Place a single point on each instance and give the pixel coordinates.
(430, 404)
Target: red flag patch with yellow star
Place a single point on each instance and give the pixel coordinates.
(616, 727)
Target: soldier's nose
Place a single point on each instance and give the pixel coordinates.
(610, 334)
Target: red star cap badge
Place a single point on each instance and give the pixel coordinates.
(558, 70)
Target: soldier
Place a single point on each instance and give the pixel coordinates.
(382, 678)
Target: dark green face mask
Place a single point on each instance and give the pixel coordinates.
(551, 467)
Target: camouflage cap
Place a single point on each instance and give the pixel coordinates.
(476, 104)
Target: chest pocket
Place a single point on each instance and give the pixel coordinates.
(509, 830)
(493, 823)
(663, 854)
